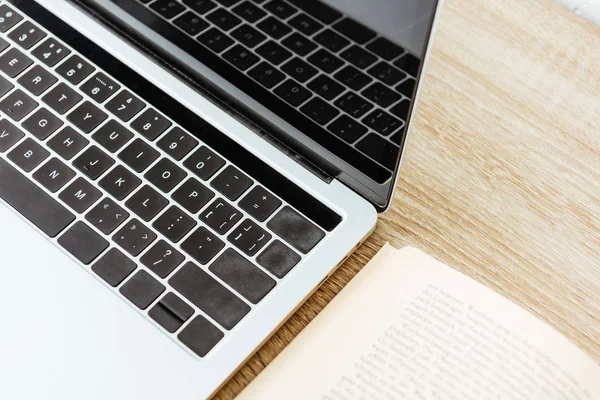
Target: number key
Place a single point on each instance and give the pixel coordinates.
(26, 35)
(100, 87)
(8, 18)
(204, 163)
(50, 52)
(125, 105)
(75, 69)
(150, 124)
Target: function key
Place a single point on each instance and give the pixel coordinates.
(385, 49)
(28, 155)
(139, 155)
(142, 289)
(333, 41)
(356, 32)
(9, 135)
(54, 175)
(204, 163)
(200, 336)
(165, 175)
(326, 87)
(292, 92)
(191, 23)
(125, 105)
(26, 35)
(93, 162)
(202, 245)
(273, 52)
(280, 9)
(200, 6)
(319, 110)
(100, 87)
(299, 44)
(266, 74)
(119, 182)
(248, 36)
(162, 259)
(37, 80)
(87, 117)
(249, 237)
(380, 150)
(17, 105)
(305, 24)
(249, 12)
(318, 9)
(299, 70)
(83, 243)
(42, 123)
(5, 86)
(274, 28)
(347, 129)
(75, 69)
(171, 312)
(146, 203)
(223, 19)
(50, 52)
(278, 259)
(220, 216)
(13, 62)
(380, 94)
(240, 57)
(382, 122)
(408, 63)
(260, 203)
(295, 229)
(177, 143)
(150, 124)
(167, 8)
(134, 237)
(193, 195)
(112, 136)
(80, 195)
(174, 224)
(8, 18)
(231, 183)
(215, 40)
(359, 57)
(67, 143)
(114, 267)
(325, 61)
(107, 216)
(62, 98)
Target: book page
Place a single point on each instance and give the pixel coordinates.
(410, 327)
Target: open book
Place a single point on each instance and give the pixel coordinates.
(410, 327)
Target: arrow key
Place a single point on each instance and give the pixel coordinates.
(134, 237)
(107, 216)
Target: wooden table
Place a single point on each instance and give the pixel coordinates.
(501, 177)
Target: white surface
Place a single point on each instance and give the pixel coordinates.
(589, 9)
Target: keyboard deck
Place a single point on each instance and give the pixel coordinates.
(190, 228)
(328, 75)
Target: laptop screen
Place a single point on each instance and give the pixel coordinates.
(335, 79)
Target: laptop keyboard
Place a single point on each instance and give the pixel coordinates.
(130, 193)
(340, 74)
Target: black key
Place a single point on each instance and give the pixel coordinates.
(167, 8)
(114, 267)
(191, 23)
(193, 195)
(352, 78)
(13, 62)
(266, 74)
(62, 98)
(274, 28)
(125, 105)
(67, 143)
(305, 24)
(142, 289)
(299, 44)
(200, 6)
(292, 92)
(325, 61)
(353, 104)
(50, 52)
(150, 124)
(80, 195)
(215, 40)
(249, 12)
(26, 35)
(223, 19)
(165, 175)
(42, 124)
(319, 111)
(326, 87)
(9, 135)
(359, 57)
(202, 245)
(299, 70)
(347, 129)
(249, 237)
(259, 203)
(318, 9)
(134, 237)
(177, 143)
(278, 259)
(333, 41)
(83, 243)
(28, 155)
(5, 86)
(397, 137)
(119, 182)
(174, 224)
(200, 336)
(100, 87)
(107, 216)
(280, 9)
(273, 52)
(248, 36)
(32, 202)
(407, 87)
(139, 155)
(228, 3)
(17, 105)
(382, 122)
(171, 312)
(408, 63)
(8, 18)
(112, 136)
(87, 117)
(231, 183)
(75, 69)
(381, 94)
(162, 259)
(295, 229)
(379, 150)
(220, 216)
(146, 203)
(37, 80)
(242, 276)
(358, 33)
(401, 109)
(240, 57)
(206, 293)
(385, 48)
(93, 162)
(54, 175)
(204, 163)
(386, 73)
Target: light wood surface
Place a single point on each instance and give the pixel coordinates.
(501, 178)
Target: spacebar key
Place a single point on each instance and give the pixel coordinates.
(32, 202)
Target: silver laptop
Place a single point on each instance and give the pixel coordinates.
(178, 176)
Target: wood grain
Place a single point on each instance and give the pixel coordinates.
(501, 178)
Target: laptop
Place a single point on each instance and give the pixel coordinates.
(178, 176)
